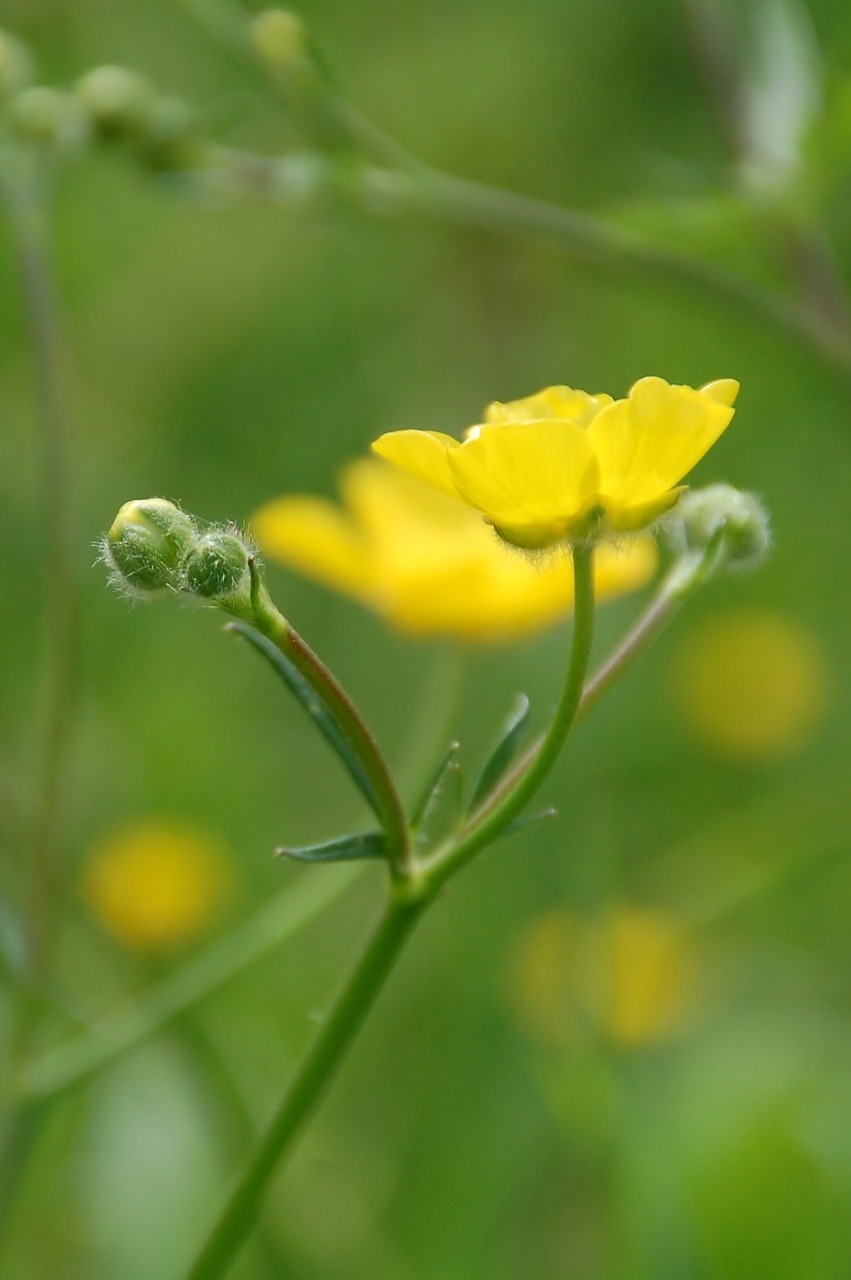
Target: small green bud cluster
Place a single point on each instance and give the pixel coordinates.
(36, 113)
(109, 105)
(279, 39)
(739, 519)
(124, 107)
(153, 546)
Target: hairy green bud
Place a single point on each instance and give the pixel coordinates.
(746, 538)
(147, 544)
(217, 567)
(118, 102)
(16, 66)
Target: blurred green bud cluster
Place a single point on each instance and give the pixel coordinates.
(124, 107)
(279, 38)
(153, 546)
(740, 519)
(109, 105)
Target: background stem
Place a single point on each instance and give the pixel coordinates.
(58, 611)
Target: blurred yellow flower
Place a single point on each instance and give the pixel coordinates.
(155, 883)
(427, 563)
(752, 683)
(629, 974)
(564, 465)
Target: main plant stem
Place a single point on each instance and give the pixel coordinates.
(322, 1060)
(409, 899)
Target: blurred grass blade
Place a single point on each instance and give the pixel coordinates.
(114, 1033)
(354, 848)
(318, 710)
(503, 753)
(434, 784)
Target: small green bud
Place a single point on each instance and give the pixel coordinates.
(48, 117)
(117, 100)
(147, 543)
(217, 567)
(746, 539)
(16, 66)
(279, 38)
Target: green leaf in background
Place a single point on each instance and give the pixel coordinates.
(504, 752)
(316, 709)
(353, 848)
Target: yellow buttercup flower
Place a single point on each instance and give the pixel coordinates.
(566, 466)
(629, 975)
(426, 562)
(155, 883)
(753, 684)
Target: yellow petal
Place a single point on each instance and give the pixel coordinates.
(536, 475)
(724, 391)
(552, 402)
(314, 537)
(423, 453)
(648, 442)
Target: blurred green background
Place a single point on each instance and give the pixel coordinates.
(496, 1120)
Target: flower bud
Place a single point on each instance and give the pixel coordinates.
(117, 100)
(279, 38)
(746, 538)
(48, 117)
(147, 544)
(16, 66)
(216, 567)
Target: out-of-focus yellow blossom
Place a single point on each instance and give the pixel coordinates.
(752, 683)
(155, 883)
(566, 466)
(426, 562)
(629, 974)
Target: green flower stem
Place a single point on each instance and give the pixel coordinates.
(487, 826)
(685, 576)
(24, 205)
(687, 573)
(317, 1069)
(266, 617)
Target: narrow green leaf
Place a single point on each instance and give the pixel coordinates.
(442, 809)
(503, 753)
(315, 707)
(434, 784)
(527, 820)
(354, 848)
